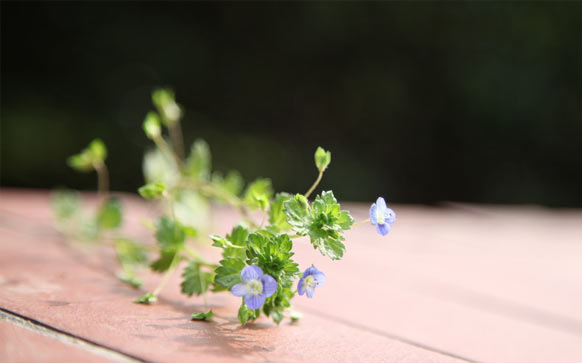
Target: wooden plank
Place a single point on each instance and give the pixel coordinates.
(487, 283)
(20, 344)
(75, 291)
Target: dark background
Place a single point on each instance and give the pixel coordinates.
(418, 102)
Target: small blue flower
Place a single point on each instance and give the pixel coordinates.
(255, 287)
(311, 279)
(381, 216)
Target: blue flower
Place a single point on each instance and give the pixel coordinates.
(311, 279)
(255, 286)
(381, 216)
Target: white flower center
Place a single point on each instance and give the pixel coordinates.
(255, 287)
(309, 282)
(379, 216)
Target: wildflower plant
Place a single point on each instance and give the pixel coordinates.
(257, 263)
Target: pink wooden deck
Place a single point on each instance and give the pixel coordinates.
(462, 282)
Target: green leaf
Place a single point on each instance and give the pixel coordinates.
(195, 280)
(164, 262)
(146, 299)
(277, 218)
(233, 183)
(65, 204)
(323, 221)
(90, 157)
(244, 314)
(152, 125)
(152, 190)
(110, 214)
(322, 159)
(295, 316)
(130, 278)
(130, 252)
(164, 101)
(203, 316)
(199, 162)
(298, 214)
(169, 233)
(228, 274)
(258, 194)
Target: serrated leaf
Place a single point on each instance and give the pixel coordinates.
(203, 316)
(195, 280)
(110, 214)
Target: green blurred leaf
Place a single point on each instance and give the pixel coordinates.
(130, 252)
(203, 316)
(165, 102)
(65, 204)
(233, 183)
(129, 277)
(322, 159)
(152, 126)
(169, 234)
(90, 157)
(152, 190)
(199, 162)
(146, 299)
(277, 218)
(110, 214)
(258, 194)
(165, 260)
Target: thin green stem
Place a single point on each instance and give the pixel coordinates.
(102, 179)
(361, 222)
(168, 273)
(308, 193)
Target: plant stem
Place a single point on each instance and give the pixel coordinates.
(314, 184)
(177, 139)
(166, 149)
(102, 180)
(361, 222)
(167, 275)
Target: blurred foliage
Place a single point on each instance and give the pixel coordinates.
(474, 102)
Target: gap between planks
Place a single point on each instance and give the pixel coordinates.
(66, 338)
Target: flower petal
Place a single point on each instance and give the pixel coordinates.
(269, 285)
(319, 278)
(381, 203)
(389, 216)
(251, 273)
(373, 219)
(383, 229)
(310, 271)
(300, 288)
(310, 292)
(254, 301)
(240, 290)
